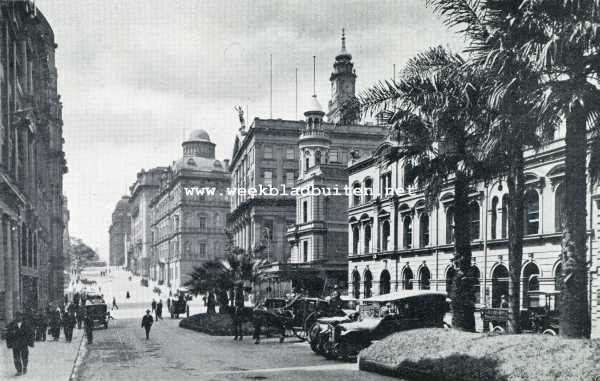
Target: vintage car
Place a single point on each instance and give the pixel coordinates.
(539, 315)
(179, 303)
(380, 316)
(98, 312)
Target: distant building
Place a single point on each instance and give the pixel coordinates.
(119, 227)
(32, 162)
(144, 189)
(277, 153)
(188, 227)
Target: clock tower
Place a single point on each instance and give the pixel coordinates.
(343, 81)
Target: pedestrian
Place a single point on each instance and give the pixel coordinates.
(153, 306)
(147, 323)
(80, 316)
(55, 323)
(159, 308)
(211, 303)
(127, 295)
(114, 303)
(503, 302)
(168, 304)
(238, 311)
(69, 322)
(88, 324)
(41, 326)
(19, 337)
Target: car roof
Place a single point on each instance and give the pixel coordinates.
(404, 294)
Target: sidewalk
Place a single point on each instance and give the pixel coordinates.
(48, 361)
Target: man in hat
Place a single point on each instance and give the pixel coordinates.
(88, 324)
(19, 337)
(147, 323)
(69, 322)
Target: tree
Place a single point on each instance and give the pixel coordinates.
(436, 113)
(511, 87)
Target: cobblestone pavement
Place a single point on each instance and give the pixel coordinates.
(122, 353)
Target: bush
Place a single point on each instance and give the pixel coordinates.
(214, 324)
(439, 354)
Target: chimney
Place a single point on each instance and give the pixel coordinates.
(226, 162)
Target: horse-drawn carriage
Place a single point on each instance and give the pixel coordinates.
(541, 315)
(179, 304)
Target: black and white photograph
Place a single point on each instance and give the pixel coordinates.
(360, 190)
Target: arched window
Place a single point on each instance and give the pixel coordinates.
(317, 157)
(504, 215)
(356, 194)
(355, 238)
(450, 225)
(424, 278)
(558, 277)
(306, 164)
(356, 284)
(368, 189)
(424, 230)
(559, 207)
(384, 282)
(407, 229)
(529, 283)
(494, 217)
(367, 239)
(450, 274)
(499, 284)
(368, 283)
(474, 214)
(532, 212)
(385, 235)
(407, 277)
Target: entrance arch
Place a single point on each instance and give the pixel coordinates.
(530, 282)
(424, 278)
(499, 284)
(384, 282)
(368, 283)
(407, 277)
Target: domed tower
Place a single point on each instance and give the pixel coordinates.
(343, 81)
(314, 142)
(198, 144)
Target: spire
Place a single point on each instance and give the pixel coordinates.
(343, 40)
(343, 55)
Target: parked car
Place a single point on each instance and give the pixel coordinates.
(98, 312)
(380, 316)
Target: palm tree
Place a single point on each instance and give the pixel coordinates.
(560, 40)
(515, 127)
(436, 114)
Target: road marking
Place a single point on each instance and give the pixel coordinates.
(312, 368)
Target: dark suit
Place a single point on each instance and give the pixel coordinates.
(69, 322)
(146, 324)
(19, 339)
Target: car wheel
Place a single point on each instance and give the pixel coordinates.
(550, 332)
(498, 330)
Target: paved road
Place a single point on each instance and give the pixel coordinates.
(122, 353)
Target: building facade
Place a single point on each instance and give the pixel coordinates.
(142, 192)
(188, 225)
(119, 228)
(396, 243)
(32, 162)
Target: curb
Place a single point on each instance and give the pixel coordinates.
(78, 359)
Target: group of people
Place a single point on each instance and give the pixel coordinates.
(157, 308)
(28, 327)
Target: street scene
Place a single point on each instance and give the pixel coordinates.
(360, 190)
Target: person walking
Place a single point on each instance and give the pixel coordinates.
(19, 337)
(80, 316)
(153, 306)
(41, 326)
(147, 323)
(159, 308)
(88, 324)
(114, 304)
(69, 322)
(55, 323)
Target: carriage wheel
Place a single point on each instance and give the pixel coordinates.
(550, 332)
(328, 350)
(300, 333)
(498, 330)
(313, 332)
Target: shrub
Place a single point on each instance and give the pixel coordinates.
(214, 324)
(439, 354)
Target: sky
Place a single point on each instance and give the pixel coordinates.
(135, 77)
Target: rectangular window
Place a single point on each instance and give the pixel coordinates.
(268, 152)
(289, 179)
(290, 153)
(305, 211)
(202, 223)
(268, 181)
(202, 249)
(333, 156)
(305, 251)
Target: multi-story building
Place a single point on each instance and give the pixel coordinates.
(395, 242)
(66, 239)
(32, 162)
(144, 189)
(188, 213)
(268, 155)
(119, 228)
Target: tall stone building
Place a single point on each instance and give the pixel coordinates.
(277, 153)
(188, 225)
(144, 189)
(32, 162)
(120, 227)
